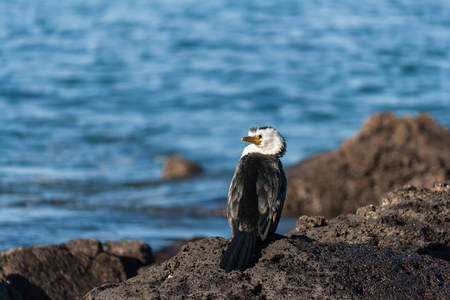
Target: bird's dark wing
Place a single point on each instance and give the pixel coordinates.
(271, 190)
(235, 194)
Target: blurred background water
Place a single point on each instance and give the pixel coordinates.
(95, 94)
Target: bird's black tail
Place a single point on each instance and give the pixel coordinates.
(240, 252)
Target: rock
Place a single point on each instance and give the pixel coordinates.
(172, 250)
(65, 271)
(436, 250)
(409, 219)
(133, 254)
(7, 292)
(90, 247)
(288, 268)
(386, 154)
(176, 167)
(130, 248)
(400, 250)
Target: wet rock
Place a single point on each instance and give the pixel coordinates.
(395, 250)
(409, 219)
(65, 271)
(176, 167)
(386, 154)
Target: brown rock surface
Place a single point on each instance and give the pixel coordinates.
(176, 167)
(66, 271)
(410, 230)
(386, 154)
(133, 254)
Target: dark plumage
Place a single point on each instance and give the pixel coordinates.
(256, 196)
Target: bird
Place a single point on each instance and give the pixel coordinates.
(256, 196)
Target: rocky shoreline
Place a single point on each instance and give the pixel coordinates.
(375, 224)
(397, 250)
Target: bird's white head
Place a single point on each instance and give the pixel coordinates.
(264, 140)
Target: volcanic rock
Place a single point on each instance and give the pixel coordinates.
(386, 154)
(409, 219)
(172, 250)
(69, 270)
(288, 268)
(176, 167)
(398, 251)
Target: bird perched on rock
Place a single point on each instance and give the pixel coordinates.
(256, 196)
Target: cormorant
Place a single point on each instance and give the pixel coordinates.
(256, 196)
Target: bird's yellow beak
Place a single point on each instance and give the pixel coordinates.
(252, 139)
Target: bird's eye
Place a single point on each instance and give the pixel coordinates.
(260, 136)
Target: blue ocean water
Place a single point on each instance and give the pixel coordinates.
(95, 94)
